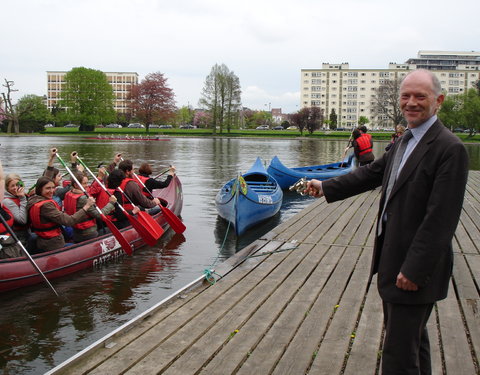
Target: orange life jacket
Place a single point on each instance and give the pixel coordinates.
(70, 207)
(15, 226)
(364, 144)
(125, 202)
(7, 215)
(43, 230)
(144, 180)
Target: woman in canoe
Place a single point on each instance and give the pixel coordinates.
(15, 201)
(114, 180)
(144, 174)
(47, 219)
(75, 200)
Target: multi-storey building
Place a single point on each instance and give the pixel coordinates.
(121, 83)
(352, 92)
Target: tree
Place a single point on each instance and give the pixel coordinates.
(221, 96)
(471, 111)
(309, 118)
(201, 119)
(87, 97)
(386, 104)
(10, 113)
(184, 115)
(33, 114)
(315, 119)
(462, 110)
(363, 120)
(333, 119)
(152, 100)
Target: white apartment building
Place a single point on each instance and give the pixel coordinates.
(121, 82)
(351, 92)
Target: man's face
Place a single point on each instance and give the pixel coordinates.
(418, 101)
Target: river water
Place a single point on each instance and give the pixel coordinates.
(39, 331)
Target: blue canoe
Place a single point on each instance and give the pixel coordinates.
(249, 199)
(286, 177)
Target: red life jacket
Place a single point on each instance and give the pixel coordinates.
(43, 230)
(125, 202)
(15, 226)
(144, 180)
(8, 218)
(103, 198)
(70, 207)
(364, 144)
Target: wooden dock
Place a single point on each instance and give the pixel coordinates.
(296, 302)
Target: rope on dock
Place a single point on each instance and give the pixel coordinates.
(209, 272)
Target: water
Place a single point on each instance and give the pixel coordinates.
(38, 331)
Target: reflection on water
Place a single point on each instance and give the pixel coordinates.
(39, 331)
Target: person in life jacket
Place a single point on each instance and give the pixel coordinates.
(133, 191)
(9, 248)
(114, 180)
(362, 147)
(75, 200)
(53, 173)
(143, 175)
(15, 201)
(46, 218)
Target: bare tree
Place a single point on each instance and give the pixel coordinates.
(221, 96)
(10, 111)
(385, 104)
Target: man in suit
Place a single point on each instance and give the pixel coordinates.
(416, 222)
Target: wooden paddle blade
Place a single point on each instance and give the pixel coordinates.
(150, 223)
(149, 239)
(174, 222)
(116, 233)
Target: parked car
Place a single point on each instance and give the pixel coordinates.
(262, 127)
(113, 126)
(153, 126)
(292, 128)
(135, 125)
(458, 130)
(166, 126)
(278, 127)
(71, 126)
(48, 126)
(187, 126)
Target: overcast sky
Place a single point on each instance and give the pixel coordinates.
(264, 42)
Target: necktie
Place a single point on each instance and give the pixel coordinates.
(393, 173)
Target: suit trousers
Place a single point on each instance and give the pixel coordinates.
(406, 347)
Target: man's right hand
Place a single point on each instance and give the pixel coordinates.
(314, 188)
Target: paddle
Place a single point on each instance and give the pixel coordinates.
(140, 227)
(346, 149)
(174, 222)
(161, 173)
(116, 233)
(150, 227)
(35, 265)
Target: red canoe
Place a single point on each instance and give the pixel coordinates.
(19, 272)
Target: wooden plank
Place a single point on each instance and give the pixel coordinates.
(365, 353)
(335, 344)
(469, 300)
(261, 356)
(250, 332)
(298, 356)
(457, 354)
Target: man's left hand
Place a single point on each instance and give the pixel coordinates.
(405, 284)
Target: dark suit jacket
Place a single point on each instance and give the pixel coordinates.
(423, 212)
